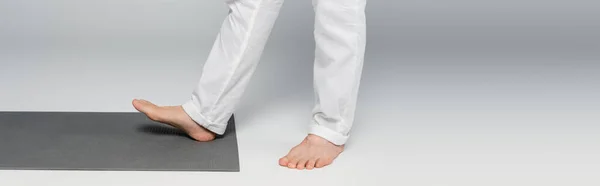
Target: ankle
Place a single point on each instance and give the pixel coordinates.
(318, 139)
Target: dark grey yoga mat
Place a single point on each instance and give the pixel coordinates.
(107, 141)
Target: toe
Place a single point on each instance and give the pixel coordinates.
(140, 102)
(292, 158)
(301, 164)
(143, 106)
(284, 161)
(321, 163)
(293, 163)
(137, 104)
(310, 164)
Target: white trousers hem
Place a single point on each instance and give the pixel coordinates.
(328, 134)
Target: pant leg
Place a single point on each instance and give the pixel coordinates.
(232, 62)
(340, 37)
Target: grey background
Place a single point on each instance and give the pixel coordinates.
(504, 54)
(460, 92)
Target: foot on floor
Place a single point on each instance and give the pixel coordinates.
(313, 152)
(174, 116)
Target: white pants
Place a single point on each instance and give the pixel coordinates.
(339, 32)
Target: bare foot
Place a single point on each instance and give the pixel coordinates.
(313, 152)
(174, 116)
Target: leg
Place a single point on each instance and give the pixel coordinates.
(226, 73)
(340, 36)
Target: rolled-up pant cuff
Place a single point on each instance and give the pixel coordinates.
(194, 113)
(328, 134)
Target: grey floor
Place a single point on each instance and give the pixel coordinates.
(450, 95)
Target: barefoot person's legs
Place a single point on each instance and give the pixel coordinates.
(340, 36)
(232, 61)
(225, 74)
